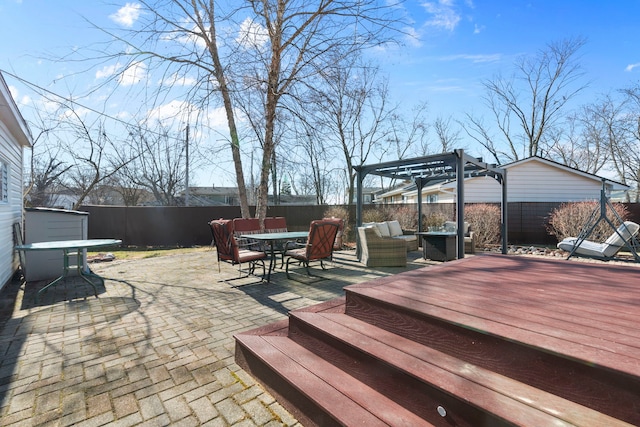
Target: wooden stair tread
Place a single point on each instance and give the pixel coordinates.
(346, 399)
(509, 399)
(612, 355)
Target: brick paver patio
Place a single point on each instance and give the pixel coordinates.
(156, 348)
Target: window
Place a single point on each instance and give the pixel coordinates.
(432, 198)
(4, 182)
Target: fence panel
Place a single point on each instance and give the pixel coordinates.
(187, 226)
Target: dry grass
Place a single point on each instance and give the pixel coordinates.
(142, 252)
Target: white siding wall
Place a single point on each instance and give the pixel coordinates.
(534, 181)
(10, 212)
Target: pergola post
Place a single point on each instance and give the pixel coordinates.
(460, 162)
(419, 183)
(359, 195)
(505, 207)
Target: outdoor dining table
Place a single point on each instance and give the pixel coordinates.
(69, 249)
(272, 239)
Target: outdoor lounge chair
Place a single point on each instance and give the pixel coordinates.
(228, 249)
(379, 251)
(606, 250)
(319, 246)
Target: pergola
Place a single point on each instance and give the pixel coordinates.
(438, 167)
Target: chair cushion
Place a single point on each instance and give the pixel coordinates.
(384, 229)
(587, 248)
(394, 228)
(627, 230)
(300, 253)
(246, 255)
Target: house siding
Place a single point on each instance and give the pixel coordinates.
(10, 211)
(565, 186)
(531, 181)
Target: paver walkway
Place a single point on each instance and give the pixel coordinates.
(156, 348)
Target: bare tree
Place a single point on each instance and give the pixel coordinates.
(158, 165)
(90, 149)
(593, 133)
(275, 46)
(409, 133)
(350, 109)
(448, 137)
(627, 152)
(315, 160)
(529, 104)
(46, 179)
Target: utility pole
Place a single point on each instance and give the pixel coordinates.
(186, 179)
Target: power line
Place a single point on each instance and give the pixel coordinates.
(37, 87)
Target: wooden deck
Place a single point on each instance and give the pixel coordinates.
(488, 340)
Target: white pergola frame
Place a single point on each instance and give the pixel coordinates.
(454, 165)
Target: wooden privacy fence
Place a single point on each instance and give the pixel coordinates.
(187, 226)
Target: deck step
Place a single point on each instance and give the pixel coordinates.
(320, 393)
(598, 378)
(422, 379)
(485, 341)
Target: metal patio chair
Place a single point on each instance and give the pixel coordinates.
(319, 246)
(230, 251)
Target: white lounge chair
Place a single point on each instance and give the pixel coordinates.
(608, 249)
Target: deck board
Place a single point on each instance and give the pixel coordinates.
(469, 296)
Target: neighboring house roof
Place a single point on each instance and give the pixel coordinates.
(531, 179)
(11, 116)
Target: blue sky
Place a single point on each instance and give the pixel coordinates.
(456, 44)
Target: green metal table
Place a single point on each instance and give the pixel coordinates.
(70, 248)
(272, 239)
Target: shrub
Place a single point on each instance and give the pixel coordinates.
(373, 215)
(407, 216)
(434, 219)
(484, 220)
(568, 219)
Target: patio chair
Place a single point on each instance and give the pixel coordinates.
(469, 236)
(337, 245)
(608, 249)
(319, 245)
(275, 224)
(229, 251)
(247, 226)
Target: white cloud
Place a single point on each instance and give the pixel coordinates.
(493, 57)
(13, 91)
(412, 37)
(477, 29)
(127, 15)
(252, 34)
(173, 110)
(630, 67)
(444, 14)
(108, 71)
(133, 74)
(176, 80)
